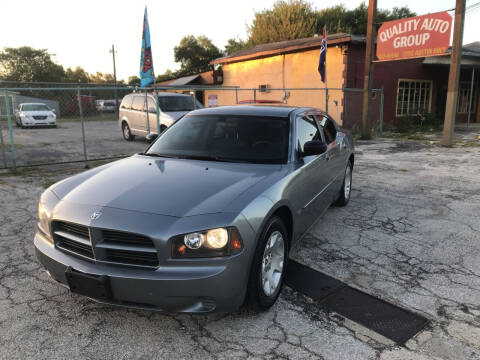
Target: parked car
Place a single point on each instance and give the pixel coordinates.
(135, 120)
(106, 106)
(203, 219)
(35, 114)
(89, 105)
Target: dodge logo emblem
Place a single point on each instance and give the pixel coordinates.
(95, 215)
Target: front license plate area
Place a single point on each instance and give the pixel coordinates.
(94, 286)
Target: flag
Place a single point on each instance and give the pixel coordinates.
(146, 64)
(322, 62)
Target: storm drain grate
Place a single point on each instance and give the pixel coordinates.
(375, 314)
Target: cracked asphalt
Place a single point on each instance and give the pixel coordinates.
(410, 235)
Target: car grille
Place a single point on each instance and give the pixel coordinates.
(73, 238)
(111, 246)
(39, 117)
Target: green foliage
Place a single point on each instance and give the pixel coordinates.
(423, 122)
(29, 65)
(294, 19)
(195, 54)
(167, 75)
(287, 20)
(234, 45)
(102, 78)
(133, 81)
(76, 76)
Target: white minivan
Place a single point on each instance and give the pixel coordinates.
(137, 118)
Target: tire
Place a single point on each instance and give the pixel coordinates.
(346, 189)
(127, 134)
(264, 286)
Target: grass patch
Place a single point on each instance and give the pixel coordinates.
(48, 182)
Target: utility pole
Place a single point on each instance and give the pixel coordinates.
(368, 77)
(112, 50)
(454, 75)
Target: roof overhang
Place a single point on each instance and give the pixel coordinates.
(467, 61)
(291, 46)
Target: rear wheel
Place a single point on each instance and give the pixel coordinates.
(268, 267)
(127, 134)
(346, 188)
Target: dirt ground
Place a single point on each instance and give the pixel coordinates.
(410, 234)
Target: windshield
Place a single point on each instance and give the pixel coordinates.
(178, 103)
(34, 107)
(226, 138)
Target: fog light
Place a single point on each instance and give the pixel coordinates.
(194, 240)
(217, 238)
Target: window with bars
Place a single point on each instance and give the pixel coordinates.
(413, 97)
(464, 97)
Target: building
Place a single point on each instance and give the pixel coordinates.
(409, 86)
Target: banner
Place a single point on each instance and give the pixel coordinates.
(420, 36)
(322, 61)
(146, 63)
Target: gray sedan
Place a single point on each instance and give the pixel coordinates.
(203, 220)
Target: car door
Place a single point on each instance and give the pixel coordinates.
(152, 115)
(334, 155)
(138, 115)
(307, 189)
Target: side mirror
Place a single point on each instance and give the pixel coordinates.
(152, 110)
(151, 137)
(315, 147)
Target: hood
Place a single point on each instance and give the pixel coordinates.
(174, 187)
(38, 113)
(175, 115)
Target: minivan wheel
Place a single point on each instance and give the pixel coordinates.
(127, 134)
(269, 265)
(346, 188)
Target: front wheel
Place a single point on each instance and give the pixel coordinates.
(268, 267)
(127, 134)
(346, 188)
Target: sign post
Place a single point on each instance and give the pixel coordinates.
(454, 75)
(368, 77)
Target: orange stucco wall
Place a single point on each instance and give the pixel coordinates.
(296, 70)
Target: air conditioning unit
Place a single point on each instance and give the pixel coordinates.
(265, 88)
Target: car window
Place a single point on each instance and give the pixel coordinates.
(178, 103)
(329, 129)
(126, 102)
(34, 107)
(151, 104)
(138, 103)
(307, 130)
(234, 138)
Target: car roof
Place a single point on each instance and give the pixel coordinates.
(248, 110)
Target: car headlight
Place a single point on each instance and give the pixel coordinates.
(47, 202)
(207, 243)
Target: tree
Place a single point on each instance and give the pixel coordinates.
(287, 20)
(234, 45)
(133, 81)
(195, 54)
(338, 19)
(102, 78)
(29, 65)
(76, 76)
(167, 75)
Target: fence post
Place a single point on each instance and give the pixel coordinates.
(157, 110)
(236, 95)
(254, 96)
(3, 148)
(382, 102)
(79, 99)
(10, 129)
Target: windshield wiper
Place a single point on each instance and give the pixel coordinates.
(159, 155)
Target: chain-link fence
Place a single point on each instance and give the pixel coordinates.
(51, 125)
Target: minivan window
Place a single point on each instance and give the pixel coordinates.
(138, 103)
(230, 138)
(126, 102)
(178, 103)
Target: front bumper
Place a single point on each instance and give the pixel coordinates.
(175, 287)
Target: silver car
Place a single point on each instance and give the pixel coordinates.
(138, 112)
(203, 220)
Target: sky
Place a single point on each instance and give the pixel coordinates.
(82, 32)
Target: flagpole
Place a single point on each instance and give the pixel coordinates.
(326, 72)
